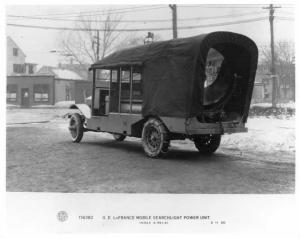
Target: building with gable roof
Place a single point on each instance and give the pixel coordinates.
(16, 60)
(27, 87)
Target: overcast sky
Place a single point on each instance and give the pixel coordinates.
(36, 43)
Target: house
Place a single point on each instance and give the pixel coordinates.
(30, 90)
(262, 90)
(16, 60)
(28, 87)
(69, 85)
(263, 85)
(81, 69)
(46, 87)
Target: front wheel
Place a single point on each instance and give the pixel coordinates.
(207, 144)
(155, 138)
(76, 127)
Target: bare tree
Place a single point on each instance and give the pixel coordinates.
(88, 45)
(284, 63)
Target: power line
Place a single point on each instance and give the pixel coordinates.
(93, 12)
(115, 12)
(285, 18)
(285, 12)
(224, 16)
(225, 23)
(227, 6)
(144, 21)
(125, 11)
(220, 6)
(140, 29)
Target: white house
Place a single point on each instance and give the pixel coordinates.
(16, 60)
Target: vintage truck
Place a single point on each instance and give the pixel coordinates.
(197, 88)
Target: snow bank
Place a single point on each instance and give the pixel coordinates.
(42, 106)
(264, 135)
(12, 106)
(281, 105)
(282, 110)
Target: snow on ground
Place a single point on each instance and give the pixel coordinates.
(264, 134)
(281, 105)
(12, 106)
(42, 106)
(34, 115)
(61, 104)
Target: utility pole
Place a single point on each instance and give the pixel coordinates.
(98, 45)
(174, 19)
(271, 9)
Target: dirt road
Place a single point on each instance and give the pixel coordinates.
(42, 158)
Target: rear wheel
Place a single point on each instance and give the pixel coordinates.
(119, 137)
(155, 138)
(76, 127)
(207, 144)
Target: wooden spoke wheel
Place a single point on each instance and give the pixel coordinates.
(76, 127)
(207, 144)
(155, 138)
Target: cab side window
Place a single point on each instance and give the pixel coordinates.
(125, 90)
(137, 93)
(114, 91)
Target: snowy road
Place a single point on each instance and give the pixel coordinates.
(41, 157)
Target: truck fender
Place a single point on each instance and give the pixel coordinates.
(83, 108)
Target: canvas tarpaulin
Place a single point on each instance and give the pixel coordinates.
(173, 72)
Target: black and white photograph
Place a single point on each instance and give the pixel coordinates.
(179, 101)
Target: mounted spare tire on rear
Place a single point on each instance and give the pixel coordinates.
(155, 138)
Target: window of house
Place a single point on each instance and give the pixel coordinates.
(114, 76)
(11, 93)
(30, 69)
(68, 93)
(41, 92)
(19, 68)
(15, 52)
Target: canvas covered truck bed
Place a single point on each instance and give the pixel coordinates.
(174, 72)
